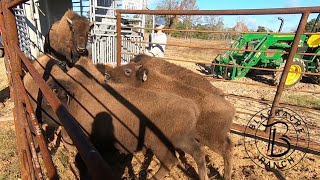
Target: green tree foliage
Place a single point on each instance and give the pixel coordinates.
(261, 29)
(310, 25)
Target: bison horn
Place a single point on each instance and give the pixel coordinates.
(137, 67)
(69, 21)
(91, 25)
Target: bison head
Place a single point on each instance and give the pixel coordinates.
(131, 73)
(80, 28)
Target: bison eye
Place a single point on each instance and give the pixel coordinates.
(127, 72)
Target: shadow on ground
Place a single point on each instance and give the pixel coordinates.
(4, 94)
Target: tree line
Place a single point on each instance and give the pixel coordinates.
(203, 23)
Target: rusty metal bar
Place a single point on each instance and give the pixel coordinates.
(118, 38)
(45, 153)
(7, 22)
(19, 139)
(309, 147)
(5, 45)
(270, 102)
(299, 10)
(222, 49)
(10, 26)
(238, 66)
(218, 32)
(14, 3)
(294, 47)
(259, 85)
(93, 160)
(34, 165)
(27, 160)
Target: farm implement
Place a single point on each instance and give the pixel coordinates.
(249, 50)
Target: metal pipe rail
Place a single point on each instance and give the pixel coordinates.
(260, 85)
(229, 65)
(214, 48)
(298, 10)
(48, 163)
(218, 32)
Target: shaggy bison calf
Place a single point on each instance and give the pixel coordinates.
(176, 72)
(67, 39)
(127, 118)
(216, 113)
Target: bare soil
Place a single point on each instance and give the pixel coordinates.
(244, 167)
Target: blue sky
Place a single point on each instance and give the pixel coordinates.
(268, 21)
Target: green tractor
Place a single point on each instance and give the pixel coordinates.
(278, 44)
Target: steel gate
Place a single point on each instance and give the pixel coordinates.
(104, 35)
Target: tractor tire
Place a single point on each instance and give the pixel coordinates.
(314, 78)
(292, 78)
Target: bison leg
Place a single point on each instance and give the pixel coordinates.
(167, 160)
(224, 147)
(197, 151)
(227, 157)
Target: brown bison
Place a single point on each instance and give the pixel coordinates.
(67, 39)
(177, 72)
(216, 113)
(128, 118)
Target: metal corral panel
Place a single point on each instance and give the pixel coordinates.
(23, 33)
(103, 35)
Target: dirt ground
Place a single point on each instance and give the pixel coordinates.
(244, 167)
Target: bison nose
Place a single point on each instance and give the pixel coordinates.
(81, 50)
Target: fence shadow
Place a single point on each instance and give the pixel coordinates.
(4, 94)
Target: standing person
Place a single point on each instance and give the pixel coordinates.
(158, 41)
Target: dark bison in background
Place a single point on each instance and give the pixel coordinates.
(67, 38)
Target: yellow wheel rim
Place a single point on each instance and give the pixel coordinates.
(294, 75)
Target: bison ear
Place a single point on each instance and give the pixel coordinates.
(91, 25)
(142, 74)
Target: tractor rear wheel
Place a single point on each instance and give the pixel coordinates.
(314, 78)
(294, 77)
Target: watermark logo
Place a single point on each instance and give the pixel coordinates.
(288, 130)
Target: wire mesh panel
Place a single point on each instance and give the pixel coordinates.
(23, 33)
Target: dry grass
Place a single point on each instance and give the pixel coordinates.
(303, 100)
(9, 163)
(195, 54)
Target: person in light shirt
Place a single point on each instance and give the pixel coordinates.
(158, 42)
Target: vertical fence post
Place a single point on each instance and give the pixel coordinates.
(293, 51)
(118, 38)
(8, 23)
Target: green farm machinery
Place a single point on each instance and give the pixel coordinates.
(246, 53)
